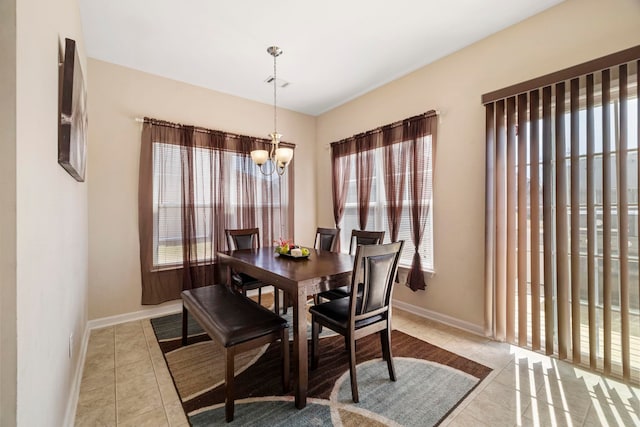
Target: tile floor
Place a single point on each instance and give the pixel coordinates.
(126, 383)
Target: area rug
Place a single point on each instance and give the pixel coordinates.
(431, 382)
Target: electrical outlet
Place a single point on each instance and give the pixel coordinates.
(70, 346)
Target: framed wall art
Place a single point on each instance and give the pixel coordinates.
(72, 129)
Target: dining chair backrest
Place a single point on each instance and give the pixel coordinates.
(363, 237)
(372, 280)
(243, 238)
(326, 238)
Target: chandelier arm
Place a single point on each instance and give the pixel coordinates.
(263, 168)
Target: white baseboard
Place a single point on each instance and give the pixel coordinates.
(439, 317)
(74, 393)
(168, 308)
(153, 311)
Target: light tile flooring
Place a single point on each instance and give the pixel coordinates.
(126, 383)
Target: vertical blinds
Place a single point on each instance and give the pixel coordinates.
(561, 248)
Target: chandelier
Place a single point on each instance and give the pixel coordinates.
(277, 158)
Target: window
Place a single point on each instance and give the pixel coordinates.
(562, 215)
(194, 184)
(385, 177)
(264, 200)
(377, 219)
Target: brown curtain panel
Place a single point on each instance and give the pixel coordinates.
(415, 131)
(340, 173)
(194, 183)
(158, 285)
(562, 271)
(395, 165)
(364, 175)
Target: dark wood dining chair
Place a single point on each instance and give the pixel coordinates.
(326, 239)
(248, 238)
(358, 237)
(366, 311)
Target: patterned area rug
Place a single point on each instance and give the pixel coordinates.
(431, 382)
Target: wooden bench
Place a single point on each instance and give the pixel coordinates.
(238, 324)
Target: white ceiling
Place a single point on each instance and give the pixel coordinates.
(334, 50)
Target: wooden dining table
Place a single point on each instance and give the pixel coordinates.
(299, 278)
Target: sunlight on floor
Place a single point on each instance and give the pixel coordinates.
(556, 394)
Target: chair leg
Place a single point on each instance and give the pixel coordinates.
(352, 370)
(285, 303)
(228, 384)
(259, 295)
(285, 360)
(185, 325)
(316, 301)
(385, 356)
(385, 337)
(276, 300)
(315, 332)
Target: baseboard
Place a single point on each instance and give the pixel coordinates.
(176, 307)
(153, 311)
(169, 308)
(74, 393)
(439, 317)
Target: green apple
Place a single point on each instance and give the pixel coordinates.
(305, 252)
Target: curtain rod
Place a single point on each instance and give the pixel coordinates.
(435, 112)
(229, 134)
(430, 113)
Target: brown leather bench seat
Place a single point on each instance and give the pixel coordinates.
(238, 324)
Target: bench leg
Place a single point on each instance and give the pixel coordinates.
(285, 360)
(185, 325)
(229, 354)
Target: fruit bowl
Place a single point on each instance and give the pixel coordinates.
(289, 255)
(289, 249)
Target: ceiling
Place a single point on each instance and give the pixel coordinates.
(334, 50)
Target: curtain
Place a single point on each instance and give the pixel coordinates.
(395, 165)
(340, 173)
(406, 165)
(561, 224)
(414, 132)
(194, 183)
(157, 284)
(364, 175)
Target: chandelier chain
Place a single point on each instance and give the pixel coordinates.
(275, 82)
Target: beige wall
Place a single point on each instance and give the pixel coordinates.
(8, 339)
(566, 35)
(51, 220)
(118, 96)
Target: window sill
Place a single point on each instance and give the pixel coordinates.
(167, 267)
(407, 267)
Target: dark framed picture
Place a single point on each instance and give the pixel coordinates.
(72, 131)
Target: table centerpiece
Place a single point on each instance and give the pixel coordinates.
(287, 248)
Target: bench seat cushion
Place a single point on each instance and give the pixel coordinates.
(228, 317)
